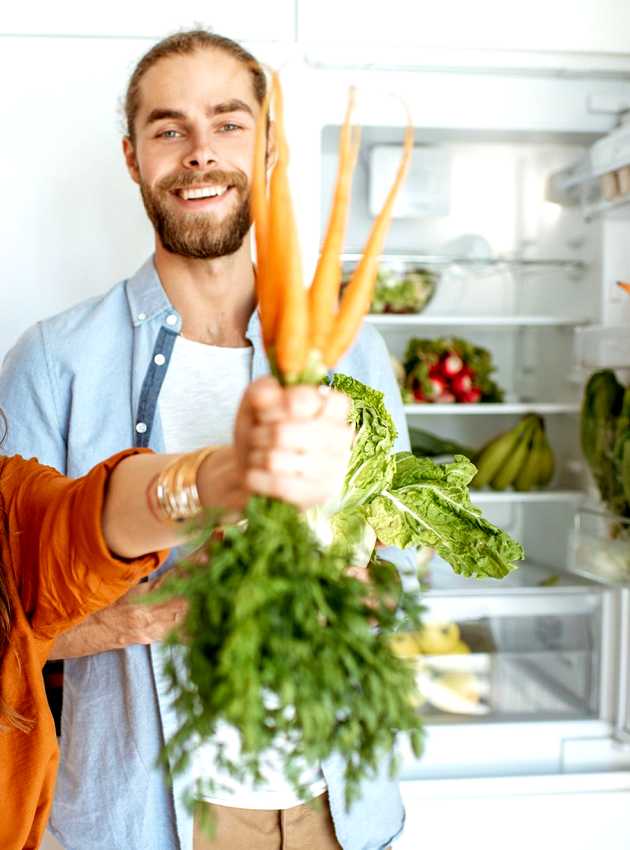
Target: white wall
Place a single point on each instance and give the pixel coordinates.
(71, 223)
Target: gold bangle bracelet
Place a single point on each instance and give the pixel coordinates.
(176, 493)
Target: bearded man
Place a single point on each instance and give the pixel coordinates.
(162, 360)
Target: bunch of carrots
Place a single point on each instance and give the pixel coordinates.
(306, 331)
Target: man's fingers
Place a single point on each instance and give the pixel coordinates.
(304, 493)
(265, 400)
(312, 435)
(304, 465)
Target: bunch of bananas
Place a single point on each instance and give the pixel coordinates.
(432, 639)
(521, 458)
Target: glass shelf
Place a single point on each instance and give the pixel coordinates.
(493, 409)
(426, 320)
(440, 260)
(620, 208)
(481, 497)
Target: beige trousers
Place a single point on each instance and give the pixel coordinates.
(304, 827)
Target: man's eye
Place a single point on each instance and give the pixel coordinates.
(229, 127)
(169, 134)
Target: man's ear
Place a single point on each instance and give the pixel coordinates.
(130, 159)
(272, 150)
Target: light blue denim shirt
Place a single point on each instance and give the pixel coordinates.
(77, 388)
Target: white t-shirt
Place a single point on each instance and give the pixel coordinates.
(198, 403)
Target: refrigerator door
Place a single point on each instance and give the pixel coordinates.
(580, 812)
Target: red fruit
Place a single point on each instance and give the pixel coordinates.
(470, 397)
(452, 365)
(461, 384)
(438, 387)
(436, 371)
(419, 395)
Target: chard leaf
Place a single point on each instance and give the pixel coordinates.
(371, 467)
(428, 504)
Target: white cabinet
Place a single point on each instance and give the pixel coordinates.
(563, 25)
(247, 20)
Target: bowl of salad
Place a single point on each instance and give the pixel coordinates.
(401, 287)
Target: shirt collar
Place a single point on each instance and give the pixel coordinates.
(146, 296)
(147, 299)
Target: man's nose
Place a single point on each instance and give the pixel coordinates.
(200, 155)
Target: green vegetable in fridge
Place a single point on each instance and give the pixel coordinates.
(407, 292)
(601, 405)
(426, 444)
(428, 504)
(423, 363)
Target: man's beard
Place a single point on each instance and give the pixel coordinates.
(198, 235)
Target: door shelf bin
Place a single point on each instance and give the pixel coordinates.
(603, 347)
(599, 547)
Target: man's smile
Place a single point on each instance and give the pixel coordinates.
(195, 197)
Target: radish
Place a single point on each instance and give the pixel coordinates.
(446, 398)
(438, 388)
(461, 384)
(471, 397)
(452, 364)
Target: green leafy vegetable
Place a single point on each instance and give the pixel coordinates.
(282, 644)
(604, 424)
(426, 444)
(428, 505)
(371, 467)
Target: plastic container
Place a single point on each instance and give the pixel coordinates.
(599, 547)
(603, 347)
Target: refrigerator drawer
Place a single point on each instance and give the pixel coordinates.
(514, 653)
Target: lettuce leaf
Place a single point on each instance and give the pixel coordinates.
(372, 466)
(428, 504)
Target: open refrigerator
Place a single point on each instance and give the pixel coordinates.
(525, 235)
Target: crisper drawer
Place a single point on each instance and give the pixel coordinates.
(532, 649)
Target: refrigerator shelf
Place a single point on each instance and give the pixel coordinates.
(620, 207)
(443, 260)
(425, 320)
(493, 409)
(537, 497)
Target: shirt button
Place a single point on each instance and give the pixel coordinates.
(141, 317)
(159, 359)
(141, 427)
(171, 319)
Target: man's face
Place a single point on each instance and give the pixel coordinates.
(193, 152)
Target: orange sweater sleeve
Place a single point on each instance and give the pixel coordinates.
(63, 568)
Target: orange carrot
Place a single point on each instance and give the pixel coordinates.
(358, 295)
(324, 291)
(260, 215)
(625, 286)
(300, 346)
(284, 263)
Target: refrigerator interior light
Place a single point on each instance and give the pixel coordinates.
(425, 192)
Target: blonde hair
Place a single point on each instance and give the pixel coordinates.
(183, 44)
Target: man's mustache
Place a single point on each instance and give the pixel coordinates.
(215, 177)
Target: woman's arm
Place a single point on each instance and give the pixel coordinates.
(290, 443)
(81, 544)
